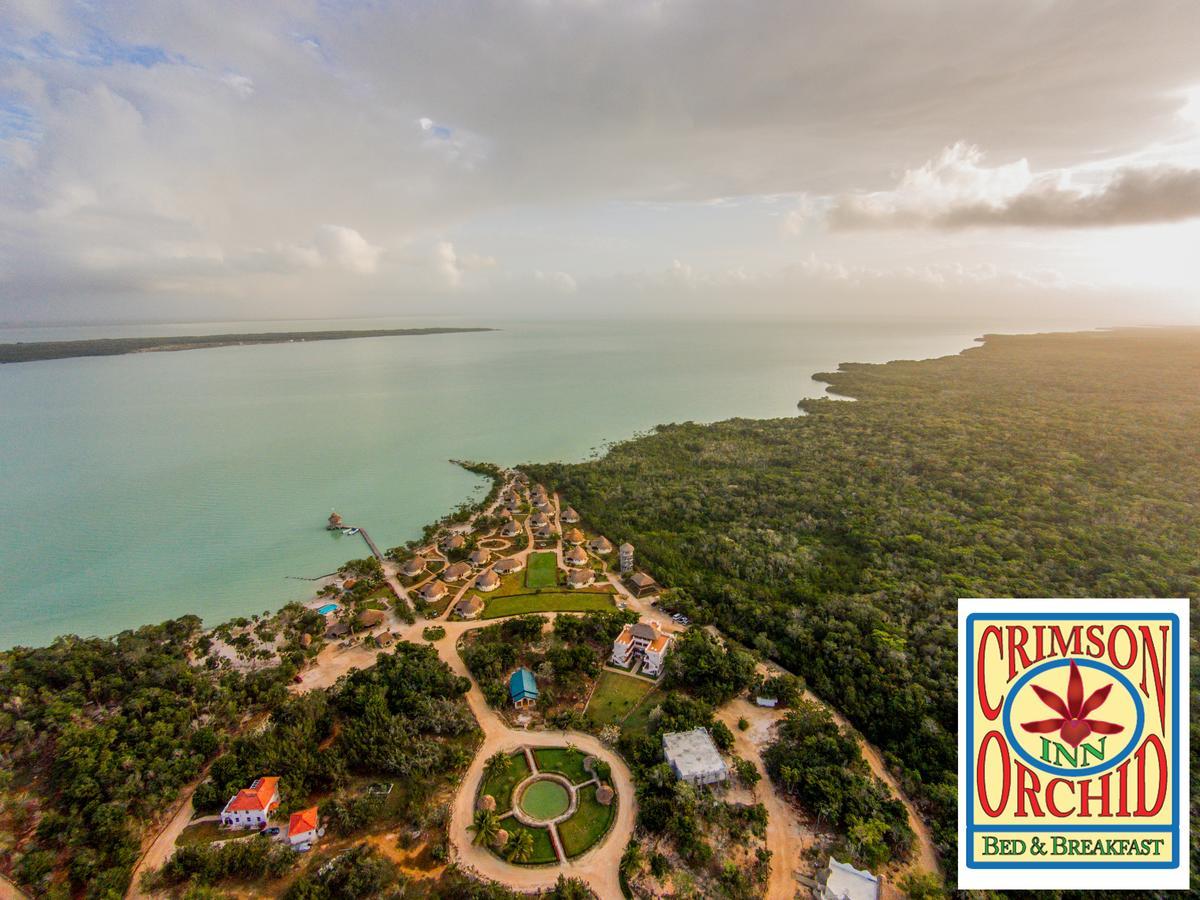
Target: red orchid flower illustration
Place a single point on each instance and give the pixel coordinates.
(1074, 725)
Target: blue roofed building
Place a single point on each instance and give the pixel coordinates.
(522, 688)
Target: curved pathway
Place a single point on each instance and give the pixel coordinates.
(787, 836)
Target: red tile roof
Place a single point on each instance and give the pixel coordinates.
(256, 797)
(305, 820)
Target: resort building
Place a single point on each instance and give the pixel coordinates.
(370, 618)
(454, 542)
(542, 503)
(511, 528)
(600, 545)
(625, 552)
(641, 584)
(513, 503)
(479, 558)
(468, 607)
(335, 521)
(641, 640)
(694, 758)
(538, 520)
(841, 881)
(304, 828)
(337, 630)
(545, 533)
(508, 565)
(252, 806)
(522, 688)
(488, 581)
(576, 556)
(578, 578)
(411, 568)
(570, 516)
(456, 572)
(574, 536)
(432, 591)
(384, 640)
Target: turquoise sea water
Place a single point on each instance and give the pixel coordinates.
(136, 488)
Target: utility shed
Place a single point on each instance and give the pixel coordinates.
(693, 757)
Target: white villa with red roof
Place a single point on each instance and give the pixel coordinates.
(304, 827)
(252, 806)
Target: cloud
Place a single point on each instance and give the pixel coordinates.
(242, 131)
(559, 281)
(957, 191)
(347, 248)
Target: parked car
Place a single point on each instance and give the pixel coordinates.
(270, 832)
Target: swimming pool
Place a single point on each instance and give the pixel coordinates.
(327, 608)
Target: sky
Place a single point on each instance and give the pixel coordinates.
(204, 159)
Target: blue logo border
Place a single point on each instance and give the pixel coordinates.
(1177, 788)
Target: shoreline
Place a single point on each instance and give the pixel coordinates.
(37, 351)
(976, 343)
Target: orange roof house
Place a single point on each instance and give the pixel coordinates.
(252, 806)
(303, 825)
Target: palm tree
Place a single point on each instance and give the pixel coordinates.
(520, 847)
(498, 764)
(631, 860)
(485, 826)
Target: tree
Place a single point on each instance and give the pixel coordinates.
(485, 826)
(571, 889)
(520, 847)
(497, 764)
(631, 859)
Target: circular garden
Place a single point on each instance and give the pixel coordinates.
(543, 805)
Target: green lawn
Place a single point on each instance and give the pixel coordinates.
(543, 850)
(501, 786)
(206, 833)
(545, 799)
(564, 761)
(615, 697)
(554, 601)
(639, 719)
(588, 825)
(541, 570)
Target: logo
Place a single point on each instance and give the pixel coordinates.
(1073, 744)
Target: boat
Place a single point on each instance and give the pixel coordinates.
(350, 531)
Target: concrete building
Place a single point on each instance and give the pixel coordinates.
(841, 881)
(694, 758)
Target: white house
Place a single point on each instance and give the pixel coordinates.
(694, 758)
(252, 806)
(643, 639)
(304, 827)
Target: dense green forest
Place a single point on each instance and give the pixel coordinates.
(98, 735)
(838, 542)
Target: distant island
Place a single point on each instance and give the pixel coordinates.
(30, 352)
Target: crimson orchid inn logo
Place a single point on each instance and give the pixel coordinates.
(1073, 744)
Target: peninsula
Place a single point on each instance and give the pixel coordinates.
(38, 350)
